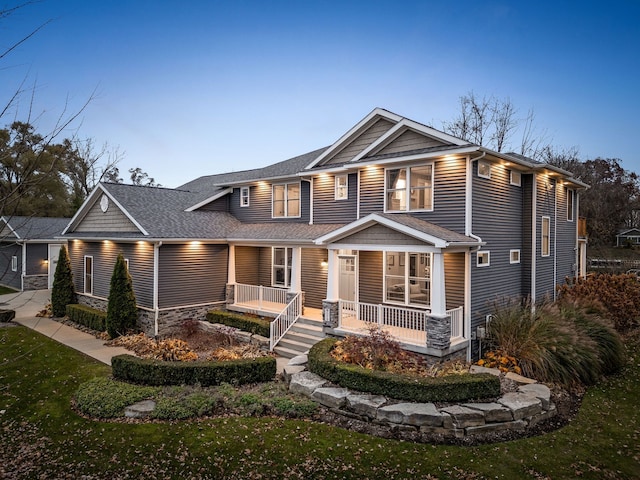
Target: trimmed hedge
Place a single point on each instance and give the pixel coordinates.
(87, 316)
(156, 372)
(7, 315)
(450, 388)
(258, 326)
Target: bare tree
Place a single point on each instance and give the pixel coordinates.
(492, 122)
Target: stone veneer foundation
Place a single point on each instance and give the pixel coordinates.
(512, 412)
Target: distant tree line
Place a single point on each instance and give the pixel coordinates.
(612, 201)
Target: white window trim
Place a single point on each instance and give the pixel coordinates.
(243, 196)
(408, 188)
(511, 252)
(84, 274)
(286, 194)
(407, 280)
(542, 237)
(482, 175)
(570, 205)
(14, 263)
(482, 253)
(126, 263)
(512, 181)
(339, 188)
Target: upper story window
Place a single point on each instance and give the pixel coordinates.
(570, 202)
(484, 169)
(514, 256)
(483, 258)
(515, 178)
(342, 187)
(244, 196)
(409, 188)
(545, 233)
(286, 200)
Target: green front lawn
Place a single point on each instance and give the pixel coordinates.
(42, 437)
(4, 290)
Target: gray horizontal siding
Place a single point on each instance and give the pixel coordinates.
(140, 256)
(361, 142)
(192, 274)
(370, 287)
(7, 276)
(218, 205)
(260, 203)
(314, 276)
(247, 265)
(448, 194)
(497, 219)
(566, 239)
(454, 279)
(545, 198)
(326, 209)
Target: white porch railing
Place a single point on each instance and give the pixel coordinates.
(259, 297)
(407, 325)
(283, 322)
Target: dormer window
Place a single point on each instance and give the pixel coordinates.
(286, 200)
(409, 188)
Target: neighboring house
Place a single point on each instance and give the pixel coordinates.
(628, 237)
(29, 249)
(395, 223)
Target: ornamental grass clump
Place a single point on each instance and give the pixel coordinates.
(555, 342)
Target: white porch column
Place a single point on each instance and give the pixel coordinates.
(332, 276)
(231, 265)
(295, 281)
(438, 290)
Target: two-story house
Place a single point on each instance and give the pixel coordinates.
(395, 223)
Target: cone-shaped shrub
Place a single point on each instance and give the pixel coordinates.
(63, 291)
(122, 313)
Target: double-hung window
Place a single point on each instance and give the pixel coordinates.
(342, 187)
(88, 275)
(282, 258)
(244, 196)
(570, 198)
(545, 239)
(409, 188)
(286, 200)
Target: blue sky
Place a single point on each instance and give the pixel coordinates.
(194, 88)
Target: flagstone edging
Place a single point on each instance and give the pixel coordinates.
(513, 411)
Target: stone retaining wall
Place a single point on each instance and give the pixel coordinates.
(239, 335)
(35, 282)
(512, 412)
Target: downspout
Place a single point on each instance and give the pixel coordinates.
(156, 275)
(468, 227)
(358, 195)
(555, 237)
(534, 236)
(576, 216)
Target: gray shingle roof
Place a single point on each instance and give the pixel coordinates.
(37, 228)
(428, 228)
(281, 231)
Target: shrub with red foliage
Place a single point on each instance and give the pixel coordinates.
(617, 297)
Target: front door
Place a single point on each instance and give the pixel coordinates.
(348, 277)
(54, 253)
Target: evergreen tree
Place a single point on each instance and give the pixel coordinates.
(63, 291)
(122, 313)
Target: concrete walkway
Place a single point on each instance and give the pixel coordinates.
(28, 304)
